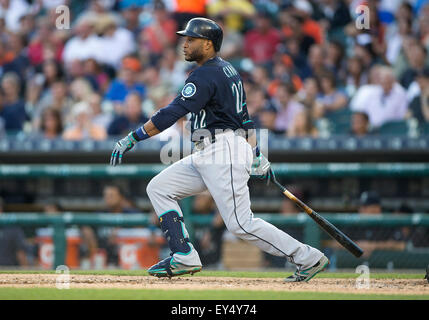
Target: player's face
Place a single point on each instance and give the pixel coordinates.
(193, 49)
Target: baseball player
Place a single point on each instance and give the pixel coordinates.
(222, 161)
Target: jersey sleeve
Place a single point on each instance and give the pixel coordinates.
(196, 92)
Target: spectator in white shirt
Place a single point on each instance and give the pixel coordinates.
(115, 40)
(85, 44)
(12, 11)
(384, 101)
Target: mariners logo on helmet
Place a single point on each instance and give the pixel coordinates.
(204, 28)
(189, 90)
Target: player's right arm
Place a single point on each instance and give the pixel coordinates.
(195, 94)
(161, 120)
(260, 166)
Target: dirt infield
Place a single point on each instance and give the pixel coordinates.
(377, 286)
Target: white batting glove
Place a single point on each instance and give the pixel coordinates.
(260, 166)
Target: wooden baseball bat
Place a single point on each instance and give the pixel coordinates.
(332, 230)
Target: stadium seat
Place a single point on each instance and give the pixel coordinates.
(339, 121)
(394, 128)
(424, 129)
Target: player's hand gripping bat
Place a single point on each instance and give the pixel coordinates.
(333, 231)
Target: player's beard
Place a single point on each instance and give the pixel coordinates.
(196, 55)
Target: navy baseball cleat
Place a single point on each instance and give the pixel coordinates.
(307, 274)
(170, 268)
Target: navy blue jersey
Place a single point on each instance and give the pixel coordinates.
(215, 96)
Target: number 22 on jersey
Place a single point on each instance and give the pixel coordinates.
(200, 119)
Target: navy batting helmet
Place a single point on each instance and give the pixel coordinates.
(204, 28)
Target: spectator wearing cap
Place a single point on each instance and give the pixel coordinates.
(234, 12)
(85, 44)
(115, 40)
(310, 27)
(126, 82)
(132, 117)
(130, 12)
(260, 43)
(161, 32)
(385, 101)
(82, 126)
(419, 106)
(369, 203)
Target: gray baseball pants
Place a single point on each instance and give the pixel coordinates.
(223, 168)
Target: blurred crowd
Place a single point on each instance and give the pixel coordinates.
(302, 61)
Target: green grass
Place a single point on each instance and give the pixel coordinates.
(237, 274)
(146, 294)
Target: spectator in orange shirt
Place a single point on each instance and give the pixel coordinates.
(293, 26)
(310, 27)
(186, 10)
(161, 33)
